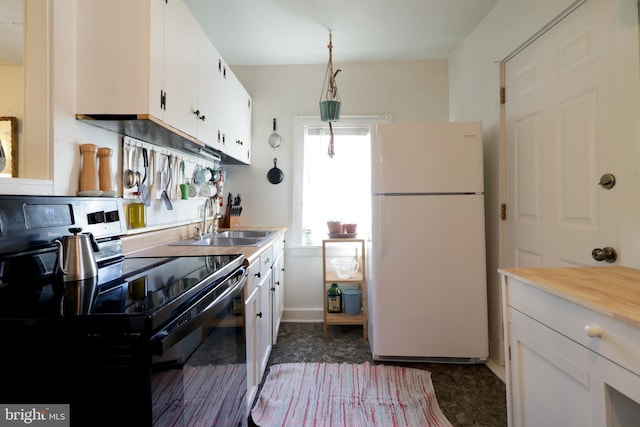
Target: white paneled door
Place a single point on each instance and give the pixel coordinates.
(561, 139)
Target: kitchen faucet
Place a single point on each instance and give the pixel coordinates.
(213, 227)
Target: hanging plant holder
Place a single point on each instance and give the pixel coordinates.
(330, 96)
(330, 111)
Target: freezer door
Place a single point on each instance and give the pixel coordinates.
(427, 158)
(428, 293)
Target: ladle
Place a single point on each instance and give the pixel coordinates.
(274, 139)
(129, 175)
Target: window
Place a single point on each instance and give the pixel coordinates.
(332, 188)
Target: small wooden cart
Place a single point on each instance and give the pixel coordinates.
(357, 280)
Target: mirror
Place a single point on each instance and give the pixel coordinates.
(11, 83)
(25, 28)
(8, 147)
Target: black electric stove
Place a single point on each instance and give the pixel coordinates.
(125, 325)
(142, 296)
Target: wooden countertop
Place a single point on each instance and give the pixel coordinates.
(612, 291)
(156, 243)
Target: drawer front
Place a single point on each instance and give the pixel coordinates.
(278, 246)
(266, 261)
(252, 278)
(613, 339)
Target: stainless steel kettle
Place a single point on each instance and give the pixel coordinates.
(76, 259)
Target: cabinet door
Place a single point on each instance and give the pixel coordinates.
(156, 58)
(264, 322)
(120, 57)
(277, 290)
(231, 85)
(251, 310)
(244, 125)
(550, 380)
(181, 64)
(210, 92)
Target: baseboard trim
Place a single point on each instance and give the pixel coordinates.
(301, 315)
(497, 369)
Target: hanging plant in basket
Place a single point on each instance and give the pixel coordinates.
(330, 97)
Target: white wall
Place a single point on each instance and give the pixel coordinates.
(474, 73)
(12, 90)
(410, 91)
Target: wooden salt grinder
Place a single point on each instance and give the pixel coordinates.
(104, 169)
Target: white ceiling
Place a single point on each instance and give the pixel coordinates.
(266, 32)
(262, 32)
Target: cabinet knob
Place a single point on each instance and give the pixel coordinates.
(259, 314)
(593, 331)
(258, 274)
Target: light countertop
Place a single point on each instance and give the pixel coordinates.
(612, 291)
(156, 243)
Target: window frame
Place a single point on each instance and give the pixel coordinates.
(300, 124)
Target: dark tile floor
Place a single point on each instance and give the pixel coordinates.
(469, 395)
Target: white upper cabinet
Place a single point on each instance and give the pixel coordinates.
(211, 94)
(237, 119)
(244, 124)
(181, 67)
(149, 59)
(120, 68)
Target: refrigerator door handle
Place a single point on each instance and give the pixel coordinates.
(380, 230)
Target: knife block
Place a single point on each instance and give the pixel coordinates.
(230, 221)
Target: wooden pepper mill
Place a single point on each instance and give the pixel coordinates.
(105, 173)
(89, 171)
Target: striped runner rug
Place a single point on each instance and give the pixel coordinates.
(200, 396)
(349, 395)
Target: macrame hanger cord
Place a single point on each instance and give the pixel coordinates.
(330, 89)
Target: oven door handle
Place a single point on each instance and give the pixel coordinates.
(179, 328)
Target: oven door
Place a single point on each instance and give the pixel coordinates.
(202, 379)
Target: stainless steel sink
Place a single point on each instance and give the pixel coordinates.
(228, 238)
(245, 233)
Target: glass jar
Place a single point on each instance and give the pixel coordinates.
(137, 212)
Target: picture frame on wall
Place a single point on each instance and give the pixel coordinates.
(9, 147)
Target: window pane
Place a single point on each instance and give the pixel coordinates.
(339, 187)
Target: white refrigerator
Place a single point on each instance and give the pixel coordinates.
(427, 288)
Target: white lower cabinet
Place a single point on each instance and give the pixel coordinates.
(277, 294)
(556, 372)
(264, 322)
(264, 303)
(252, 307)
